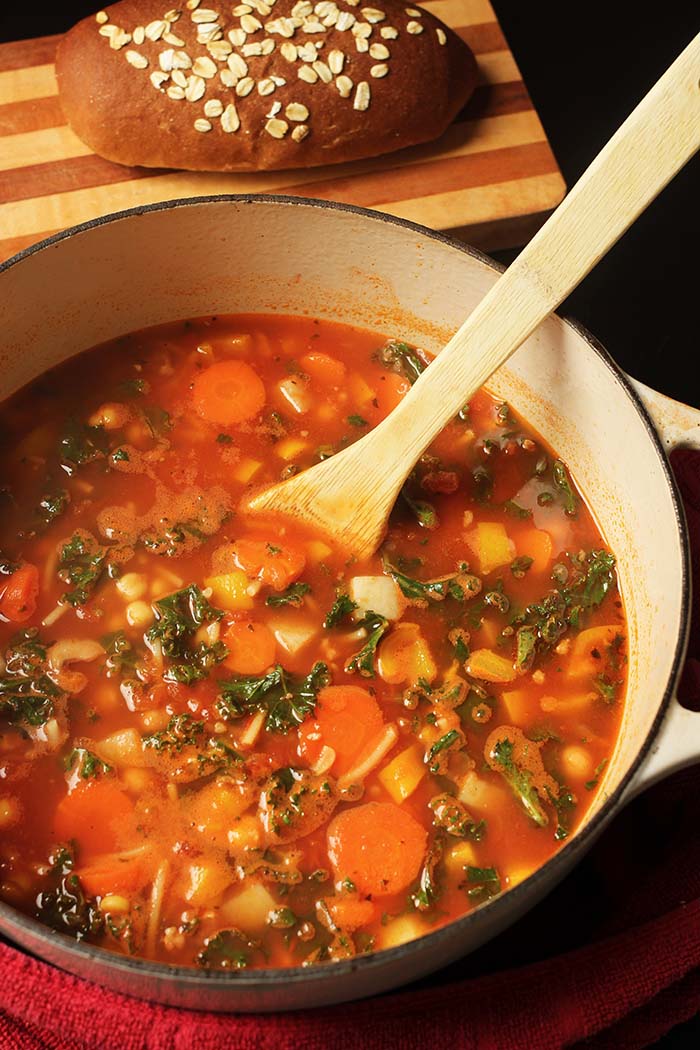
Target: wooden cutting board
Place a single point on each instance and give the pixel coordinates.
(491, 179)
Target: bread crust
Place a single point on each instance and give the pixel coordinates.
(116, 105)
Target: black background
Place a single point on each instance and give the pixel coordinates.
(586, 65)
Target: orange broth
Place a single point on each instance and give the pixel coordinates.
(224, 742)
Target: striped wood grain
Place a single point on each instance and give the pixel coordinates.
(492, 176)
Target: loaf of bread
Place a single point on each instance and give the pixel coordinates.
(264, 84)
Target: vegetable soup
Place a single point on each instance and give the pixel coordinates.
(224, 742)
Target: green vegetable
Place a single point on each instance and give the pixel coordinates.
(80, 444)
(286, 699)
(357, 421)
(293, 595)
(363, 662)
(428, 890)
(484, 883)
(340, 610)
(519, 566)
(564, 804)
(86, 764)
(424, 512)
(178, 616)
(562, 481)
(28, 696)
(81, 564)
(157, 420)
(483, 484)
(452, 816)
(590, 784)
(121, 656)
(282, 918)
(132, 388)
(64, 905)
(227, 950)
(50, 508)
(198, 664)
(224, 439)
(459, 585)
(401, 358)
(519, 779)
(183, 731)
(120, 455)
(515, 510)
(542, 624)
(168, 543)
(453, 740)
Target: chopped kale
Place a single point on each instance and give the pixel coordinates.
(287, 700)
(435, 759)
(132, 388)
(178, 617)
(80, 443)
(519, 566)
(120, 455)
(340, 610)
(86, 764)
(459, 585)
(157, 420)
(357, 421)
(81, 564)
(401, 358)
(121, 656)
(64, 906)
(483, 883)
(293, 595)
(519, 778)
(363, 661)
(562, 482)
(452, 816)
(424, 512)
(51, 506)
(27, 695)
(214, 755)
(564, 805)
(593, 782)
(428, 890)
(515, 510)
(169, 542)
(227, 950)
(224, 439)
(199, 663)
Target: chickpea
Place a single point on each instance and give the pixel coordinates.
(132, 586)
(139, 614)
(112, 415)
(577, 762)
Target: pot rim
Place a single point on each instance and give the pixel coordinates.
(263, 979)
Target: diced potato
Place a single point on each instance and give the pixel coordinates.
(250, 908)
(578, 702)
(459, 856)
(490, 666)
(360, 392)
(244, 833)
(479, 794)
(519, 706)
(293, 635)
(290, 448)
(491, 545)
(295, 392)
(404, 656)
(582, 664)
(245, 469)
(206, 881)
(380, 594)
(230, 590)
(398, 931)
(137, 780)
(403, 774)
(214, 809)
(123, 748)
(317, 551)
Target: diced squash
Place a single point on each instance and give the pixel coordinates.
(578, 702)
(123, 748)
(214, 808)
(459, 856)
(380, 594)
(245, 469)
(516, 875)
(361, 393)
(317, 551)
(535, 544)
(582, 663)
(491, 545)
(490, 666)
(403, 774)
(404, 656)
(519, 706)
(230, 590)
(244, 833)
(206, 881)
(295, 394)
(250, 908)
(489, 632)
(400, 930)
(290, 448)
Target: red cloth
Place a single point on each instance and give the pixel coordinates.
(611, 957)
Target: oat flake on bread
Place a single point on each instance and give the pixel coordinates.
(260, 85)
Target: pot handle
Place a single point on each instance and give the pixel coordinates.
(677, 742)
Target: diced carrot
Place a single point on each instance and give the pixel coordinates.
(110, 874)
(350, 912)
(535, 544)
(347, 717)
(391, 389)
(271, 563)
(324, 369)
(18, 594)
(228, 392)
(98, 814)
(251, 647)
(378, 846)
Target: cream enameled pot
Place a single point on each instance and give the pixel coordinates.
(286, 255)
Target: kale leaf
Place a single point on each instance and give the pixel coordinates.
(363, 662)
(286, 699)
(340, 610)
(401, 358)
(293, 595)
(27, 695)
(81, 564)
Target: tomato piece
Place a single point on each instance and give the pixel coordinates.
(19, 593)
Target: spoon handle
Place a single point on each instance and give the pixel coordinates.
(650, 147)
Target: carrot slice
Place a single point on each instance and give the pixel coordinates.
(378, 846)
(110, 874)
(251, 647)
(391, 389)
(97, 814)
(324, 369)
(346, 719)
(272, 564)
(349, 912)
(18, 594)
(228, 392)
(535, 544)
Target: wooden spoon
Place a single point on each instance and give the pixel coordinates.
(350, 495)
